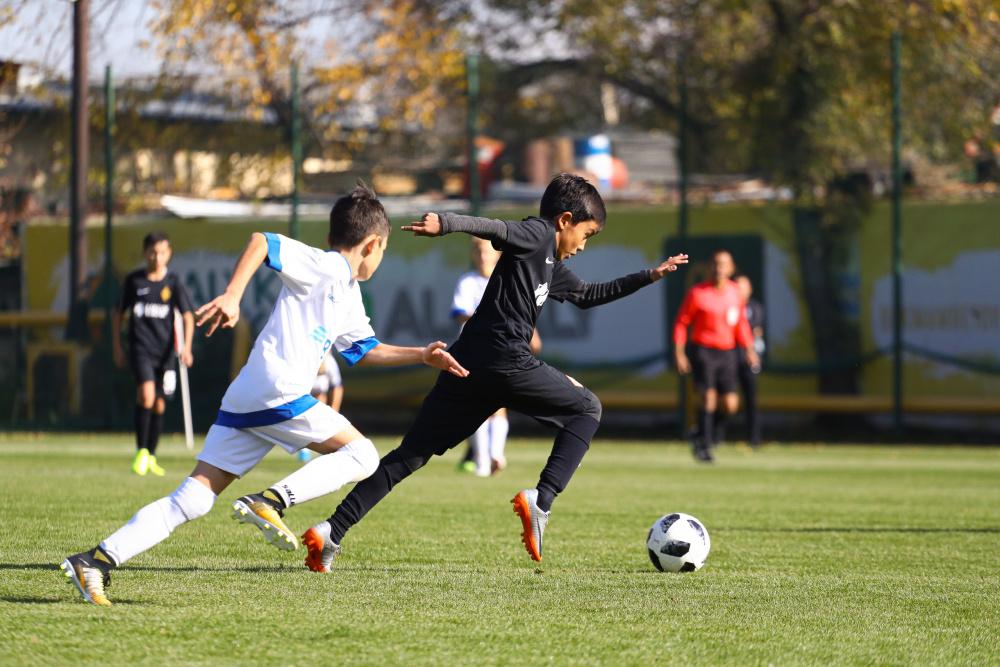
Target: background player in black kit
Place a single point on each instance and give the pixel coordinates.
(149, 297)
(494, 347)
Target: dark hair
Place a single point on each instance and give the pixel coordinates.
(152, 239)
(355, 216)
(568, 192)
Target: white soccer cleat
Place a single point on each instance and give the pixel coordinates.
(533, 521)
(322, 550)
(268, 519)
(498, 464)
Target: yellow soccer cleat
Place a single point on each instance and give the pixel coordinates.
(140, 464)
(255, 510)
(90, 577)
(155, 467)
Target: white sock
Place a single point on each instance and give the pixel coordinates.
(154, 522)
(499, 426)
(355, 461)
(481, 449)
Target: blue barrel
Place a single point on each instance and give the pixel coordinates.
(593, 154)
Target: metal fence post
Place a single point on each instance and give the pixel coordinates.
(109, 184)
(897, 262)
(472, 129)
(682, 213)
(296, 141)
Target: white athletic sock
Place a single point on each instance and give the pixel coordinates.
(154, 522)
(481, 449)
(355, 461)
(499, 426)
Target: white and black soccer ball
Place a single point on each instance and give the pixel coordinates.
(678, 543)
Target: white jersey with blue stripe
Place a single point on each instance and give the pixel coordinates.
(319, 306)
(468, 293)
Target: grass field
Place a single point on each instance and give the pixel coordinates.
(821, 555)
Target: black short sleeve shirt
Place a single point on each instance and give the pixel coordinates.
(151, 305)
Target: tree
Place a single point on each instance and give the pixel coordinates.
(795, 91)
(388, 65)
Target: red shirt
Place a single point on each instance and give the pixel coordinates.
(716, 316)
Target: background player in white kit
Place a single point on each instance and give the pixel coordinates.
(486, 453)
(268, 403)
(328, 387)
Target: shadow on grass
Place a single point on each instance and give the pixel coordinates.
(144, 568)
(861, 529)
(75, 599)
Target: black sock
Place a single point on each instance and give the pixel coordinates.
(394, 467)
(572, 442)
(707, 427)
(719, 427)
(142, 419)
(155, 426)
(696, 430)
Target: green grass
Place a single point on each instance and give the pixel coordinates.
(821, 555)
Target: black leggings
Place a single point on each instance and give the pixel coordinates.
(456, 407)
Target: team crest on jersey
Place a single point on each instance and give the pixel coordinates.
(541, 294)
(732, 316)
(165, 294)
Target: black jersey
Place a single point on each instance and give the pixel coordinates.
(498, 336)
(151, 305)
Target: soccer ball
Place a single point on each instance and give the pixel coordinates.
(678, 543)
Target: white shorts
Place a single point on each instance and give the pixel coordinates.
(238, 450)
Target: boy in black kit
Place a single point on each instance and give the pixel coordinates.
(494, 346)
(149, 296)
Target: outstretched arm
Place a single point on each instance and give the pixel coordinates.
(224, 310)
(567, 286)
(434, 355)
(439, 224)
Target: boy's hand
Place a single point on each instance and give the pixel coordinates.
(429, 225)
(187, 358)
(436, 356)
(670, 265)
(223, 310)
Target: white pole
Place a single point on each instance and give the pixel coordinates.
(185, 387)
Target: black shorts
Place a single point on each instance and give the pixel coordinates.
(456, 407)
(714, 369)
(149, 368)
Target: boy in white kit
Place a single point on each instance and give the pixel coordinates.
(269, 402)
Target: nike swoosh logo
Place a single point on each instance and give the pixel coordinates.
(549, 260)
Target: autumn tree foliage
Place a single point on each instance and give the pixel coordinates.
(794, 90)
(365, 66)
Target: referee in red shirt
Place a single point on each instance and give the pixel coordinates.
(715, 313)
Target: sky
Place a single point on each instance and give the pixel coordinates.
(42, 33)
(42, 30)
